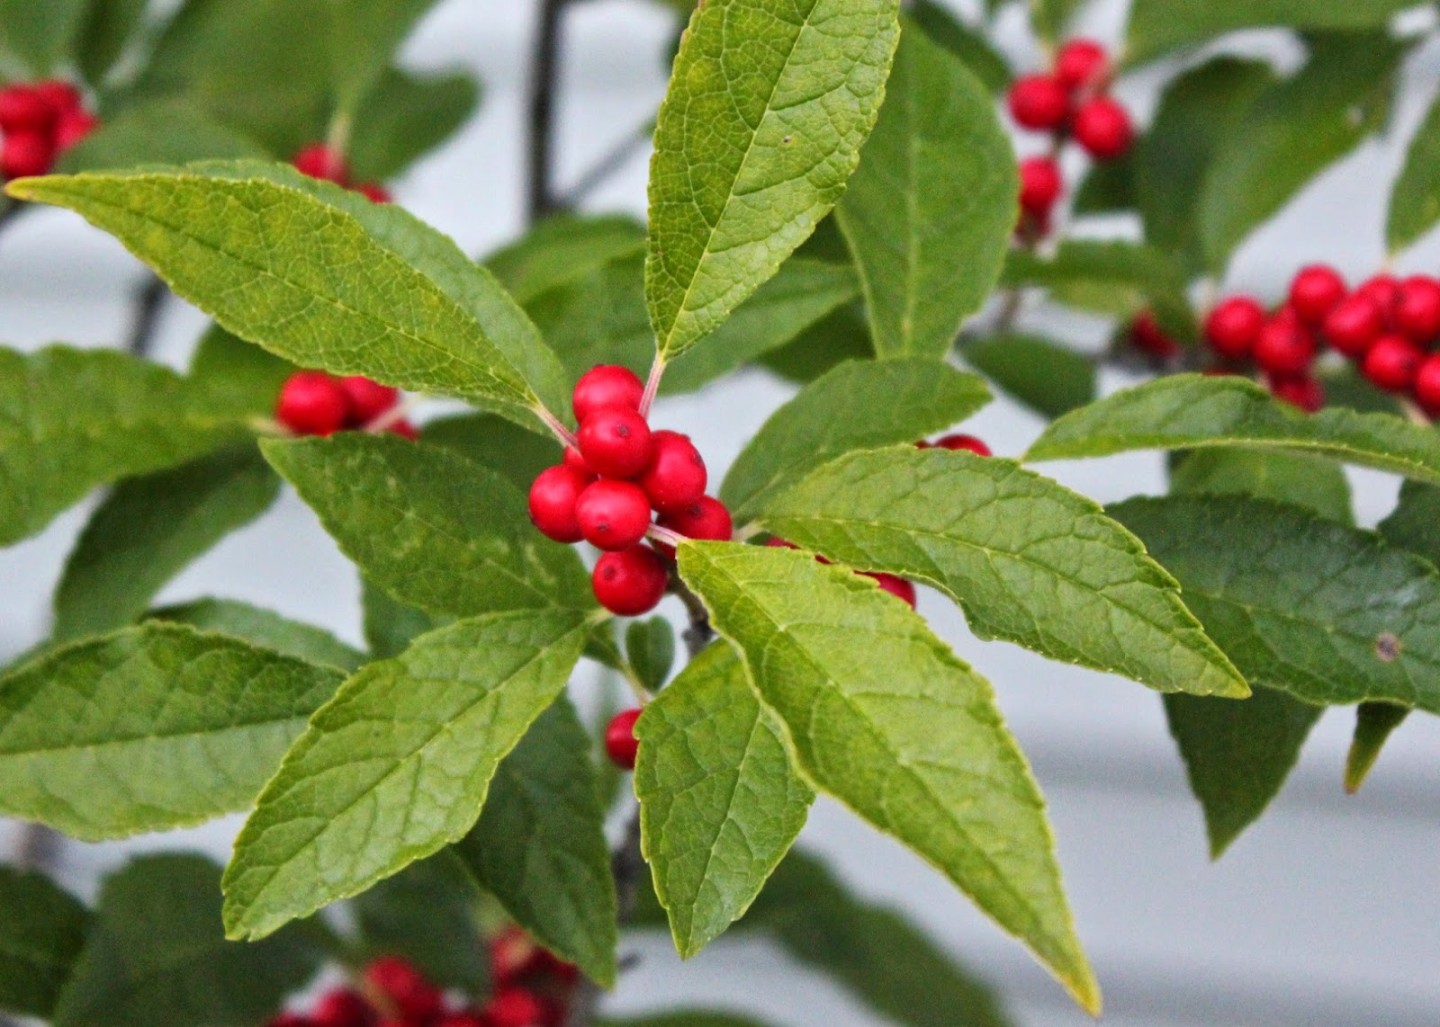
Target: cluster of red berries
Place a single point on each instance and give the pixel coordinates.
(316, 403)
(1387, 326)
(1071, 102)
(611, 481)
(328, 164)
(531, 988)
(40, 121)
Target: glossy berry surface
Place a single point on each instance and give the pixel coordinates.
(342, 1008)
(515, 1007)
(61, 96)
(1284, 347)
(630, 582)
(1417, 309)
(1315, 292)
(1233, 326)
(1039, 102)
(1303, 391)
(707, 518)
(606, 385)
(553, 498)
(1393, 363)
(323, 162)
(612, 515)
(405, 986)
(1041, 185)
(1384, 290)
(1082, 64)
(1427, 386)
(897, 587)
(24, 154)
(368, 399)
(576, 462)
(312, 403)
(615, 441)
(969, 443)
(621, 745)
(1355, 324)
(462, 1020)
(25, 109)
(1103, 128)
(676, 475)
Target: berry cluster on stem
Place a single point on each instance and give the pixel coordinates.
(39, 121)
(322, 161)
(1070, 102)
(316, 403)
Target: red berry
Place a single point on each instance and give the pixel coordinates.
(342, 1008)
(323, 162)
(1393, 363)
(606, 385)
(1082, 63)
(613, 515)
(1233, 327)
(1285, 347)
(776, 542)
(1040, 102)
(1427, 386)
(24, 154)
(374, 192)
(1355, 324)
(1417, 309)
(630, 582)
(61, 96)
(621, 745)
(24, 109)
(512, 956)
(573, 460)
(1104, 128)
(1041, 184)
(897, 587)
(706, 519)
(676, 476)
(466, 1019)
(1303, 391)
(615, 441)
(73, 128)
(312, 403)
(368, 399)
(1149, 337)
(966, 442)
(1385, 291)
(405, 430)
(402, 983)
(553, 498)
(1315, 291)
(515, 1007)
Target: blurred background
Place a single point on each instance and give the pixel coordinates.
(1327, 912)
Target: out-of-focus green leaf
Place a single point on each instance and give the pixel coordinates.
(1046, 376)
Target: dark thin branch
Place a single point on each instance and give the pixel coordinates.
(149, 303)
(544, 87)
(9, 211)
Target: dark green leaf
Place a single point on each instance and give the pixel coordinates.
(1160, 25)
(264, 628)
(969, 44)
(1046, 376)
(1415, 199)
(163, 132)
(842, 336)
(1115, 278)
(39, 35)
(391, 626)
(562, 250)
(41, 932)
(650, 645)
(1108, 187)
(365, 37)
(236, 376)
(405, 117)
(1052, 18)
(1415, 522)
(108, 27)
(1374, 723)
(1313, 482)
(501, 445)
(427, 913)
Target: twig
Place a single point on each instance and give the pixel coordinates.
(9, 210)
(699, 634)
(149, 302)
(38, 848)
(544, 85)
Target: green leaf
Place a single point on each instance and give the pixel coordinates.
(38, 36)
(885, 718)
(1115, 278)
(1029, 561)
(1313, 482)
(875, 952)
(650, 646)
(391, 626)
(236, 376)
(72, 420)
(598, 318)
(540, 847)
(161, 132)
(426, 913)
(366, 35)
(842, 336)
(969, 44)
(1160, 25)
(106, 31)
(1198, 113)
(501, 445)
(151, 528)
(1108, 187)
(158, 955)
(931, 210)
(1052, 18)
(323, 277)
(1328, 613)
(406, 116)
(396, 765)
(1415, 198)
(1293, 131)
(1374, 723)
(720, 804)
(563, 250)
(263, 628)
(763, 123)
(882, 402)
(1412, 525)
(150, 728)
(1187, 411)
(433, 529)
(42, 929)
(1046, 376)
(1238, 755)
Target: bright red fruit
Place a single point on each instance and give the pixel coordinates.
(512, 956)
(553, 498)
(73, 128)
(897, 587)
(966, 442)
(342, 1008)
(402, 982)
(312, 403)
(323, 162)
(1233, 326)
(24, 154)
(630, 582)
(1417, 309)
(462, 1020)
(1149, 337)
(1285, 347)
(1041, 184)
(405, 430)
(374, 192)
(1427, 386)
(1385, 291)
(1393, 363)
(621, 745)
(1103, 128)
(1355, 324)
(576, 462)
(1315, 292)
(606, 385)
(60, 95)
(676, 475)
(705, 519)
(515, 1007)
(24, 109)
(615, 441)
(368, 399)
(1040, 102)
(1082, 63)
(1304, 391)
(613, 515)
